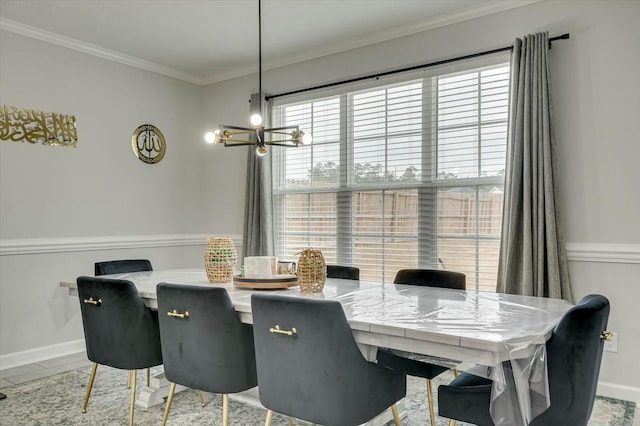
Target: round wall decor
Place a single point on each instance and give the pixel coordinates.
(148, 144)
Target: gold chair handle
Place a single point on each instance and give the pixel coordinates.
(177, 314)
(277, 329)
(93, 302)
(606, 335)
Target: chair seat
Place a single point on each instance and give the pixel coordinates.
(466, 398)
(412, 367)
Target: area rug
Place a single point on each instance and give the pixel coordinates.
(57, 400)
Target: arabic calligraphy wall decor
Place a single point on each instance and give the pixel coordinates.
(28, 125)
(148, 144)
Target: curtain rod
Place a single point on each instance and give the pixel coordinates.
(413, 68)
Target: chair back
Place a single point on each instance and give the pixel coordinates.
(122, 266)
(119, 330)
(574, 354)
(431, 278)
(344, 272)
(317, 373)
(210, 349)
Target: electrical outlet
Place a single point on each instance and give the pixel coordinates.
(611, 345)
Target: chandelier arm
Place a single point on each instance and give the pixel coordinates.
(278, 133)
(246, 129)
(285, 143)
(238, 143)
(278, 129)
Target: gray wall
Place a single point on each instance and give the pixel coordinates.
(55, 193)
(98, 197)
(595, 94)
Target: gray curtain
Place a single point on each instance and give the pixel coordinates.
(533, 258)
(258, 235)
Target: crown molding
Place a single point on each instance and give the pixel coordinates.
(334, 48)
(62, 245)
(94, 50)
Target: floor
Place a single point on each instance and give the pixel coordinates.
(50, 367)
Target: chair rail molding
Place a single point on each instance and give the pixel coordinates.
(603, 252)
(61, 245)
(577, 252)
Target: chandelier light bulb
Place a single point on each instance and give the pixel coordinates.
(210, 137)
(306, 139)
(256, 119)
(261, 151)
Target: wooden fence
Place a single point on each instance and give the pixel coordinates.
(461, 216)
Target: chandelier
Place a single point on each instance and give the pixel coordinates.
(257, 134)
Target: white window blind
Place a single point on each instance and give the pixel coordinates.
(405, 175)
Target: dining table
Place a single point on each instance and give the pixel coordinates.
(498, 336)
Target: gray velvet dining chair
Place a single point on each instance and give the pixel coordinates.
(344, 272)
(119, 330)
(574, 355)
(309, 365)
(413, 367)
(205, 346)
(122, 266)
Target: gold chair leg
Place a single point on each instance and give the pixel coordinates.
(172, 389)
(452, 422)
(455, 372)
(267, 421)
(291, 421)
(396, 416)
(148, 377)
(225, 409)
(132, 404)
(202, 398)
(128, 379)
(432, 413)
(91, 379)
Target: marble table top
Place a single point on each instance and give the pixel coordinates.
(467, 326)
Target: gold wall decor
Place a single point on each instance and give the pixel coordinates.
(148, 144)
(27, 125)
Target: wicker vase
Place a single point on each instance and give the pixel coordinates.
(219, 260)
(312, 271)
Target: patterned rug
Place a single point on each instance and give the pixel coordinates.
(57, 400)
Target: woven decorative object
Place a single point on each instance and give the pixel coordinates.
(312, 271)
(219, 260)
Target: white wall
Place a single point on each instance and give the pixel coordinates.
(595, 96)
(200, 189)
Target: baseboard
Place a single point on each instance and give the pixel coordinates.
(44, 353)
(626, 393)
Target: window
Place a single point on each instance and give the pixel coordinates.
(405, 175)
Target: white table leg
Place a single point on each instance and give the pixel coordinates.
(157, 391)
